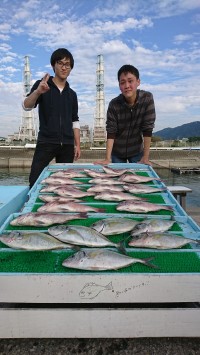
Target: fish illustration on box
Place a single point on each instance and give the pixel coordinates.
(92, 290)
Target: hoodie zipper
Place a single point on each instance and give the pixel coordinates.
(61, 140)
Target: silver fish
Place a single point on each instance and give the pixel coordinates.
(50, 188)
(139, 189)
(73, 192)
(105, 181)
(92, 290)
(152, 225)
(101, 259)
(68, 207)
(135, 179)
(101, 188)
(59, 180)
(114, 172)
(67, 170)
(81, 235)
(51, 198)
(38, 219)
(160, 241)
(95, 173)
(141, 207)
(32, 241)
(114, 226)
(116, 196)
(68, 174)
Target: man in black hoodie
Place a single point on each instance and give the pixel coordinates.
(59, 129)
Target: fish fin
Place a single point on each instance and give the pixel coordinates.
(147, 263)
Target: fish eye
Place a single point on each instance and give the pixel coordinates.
(19, 236)
(136, 237)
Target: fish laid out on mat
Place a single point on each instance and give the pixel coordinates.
(68, 207)
(38, 219)
(141, 207)
(152, 225)
(102, 259)
(81, 235)
(142, 189)
(135, 179)
(101, 188)
(160, 241)
(32, 241)
(114, 225)
(60, 180)
(51, 198)
(116, 196)
(51, 188)
(70, 174)
(95, 173)
(105, 181)
(116, 172)
(72, 192)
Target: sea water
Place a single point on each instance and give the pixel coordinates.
(19, 176)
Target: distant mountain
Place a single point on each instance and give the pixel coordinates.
(185, 131)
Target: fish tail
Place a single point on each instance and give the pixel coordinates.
(197, 241)
(128, 239)
(147, 263)
(76, 247)
(101, 210)
(122, 247)
(109, 286)
(83, 215)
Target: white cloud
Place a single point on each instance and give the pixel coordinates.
(124, 32)
(182, 38)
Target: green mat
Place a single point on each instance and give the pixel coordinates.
(51, 262)
(17, 261)
(148, 197)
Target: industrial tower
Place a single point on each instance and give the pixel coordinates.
(99, 132)
(27, 130)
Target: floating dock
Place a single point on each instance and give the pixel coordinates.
(185, 170)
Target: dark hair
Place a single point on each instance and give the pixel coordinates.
(127, 68)
(59, 54)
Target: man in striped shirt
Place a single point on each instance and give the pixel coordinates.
(130, 121)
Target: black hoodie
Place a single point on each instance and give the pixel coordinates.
(57, 110)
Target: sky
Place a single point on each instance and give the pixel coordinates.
(159, 37)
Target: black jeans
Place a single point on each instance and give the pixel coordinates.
(44, 153)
